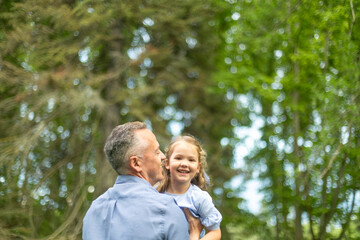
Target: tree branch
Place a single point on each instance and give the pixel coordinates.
(345, 226)
(336, 153)
(353, 18)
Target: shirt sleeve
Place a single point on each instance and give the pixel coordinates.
(210, 217)
(96, 222)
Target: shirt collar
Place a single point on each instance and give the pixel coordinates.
(131, 179)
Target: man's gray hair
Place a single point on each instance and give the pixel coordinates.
(120, 145)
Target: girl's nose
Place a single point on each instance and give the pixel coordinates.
(183, 164)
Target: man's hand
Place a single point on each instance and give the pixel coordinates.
(195, 225)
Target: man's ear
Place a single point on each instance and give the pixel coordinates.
(166, 164)
(135, 163)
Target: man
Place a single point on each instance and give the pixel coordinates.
(132, 208)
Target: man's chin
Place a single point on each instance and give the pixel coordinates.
(158, 181)
(162, 178)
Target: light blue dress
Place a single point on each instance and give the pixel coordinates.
(200, 204)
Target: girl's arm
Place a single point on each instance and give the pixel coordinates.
(211, 217)
(195, 225)
(212, 235)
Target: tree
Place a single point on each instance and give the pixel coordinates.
(72, 70)
(301, 80)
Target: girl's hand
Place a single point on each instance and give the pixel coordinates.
(195, 225)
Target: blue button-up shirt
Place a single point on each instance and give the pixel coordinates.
(133, 209)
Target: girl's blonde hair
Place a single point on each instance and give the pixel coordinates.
(199, 180)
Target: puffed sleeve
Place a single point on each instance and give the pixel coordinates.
(210, 217)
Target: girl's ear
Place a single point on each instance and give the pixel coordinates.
(198, 168)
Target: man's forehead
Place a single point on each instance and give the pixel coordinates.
(145, 134)
(144, 131)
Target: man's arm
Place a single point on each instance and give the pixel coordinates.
(195, 225)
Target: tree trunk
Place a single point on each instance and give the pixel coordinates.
(106, 175)
(297, 156)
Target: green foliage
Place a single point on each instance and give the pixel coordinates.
(300, 62)
(70, 71)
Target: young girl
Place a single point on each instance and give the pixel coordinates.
(185, 181)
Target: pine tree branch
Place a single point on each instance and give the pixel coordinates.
(71, 218)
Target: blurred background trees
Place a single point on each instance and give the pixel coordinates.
(72, 70)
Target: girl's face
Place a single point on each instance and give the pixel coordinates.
(183, 163)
